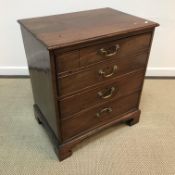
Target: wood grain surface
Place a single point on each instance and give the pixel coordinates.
(62, 30)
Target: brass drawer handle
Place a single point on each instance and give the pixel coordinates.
(103, 96)
(109, 52)
(108, 110)
(101, 72)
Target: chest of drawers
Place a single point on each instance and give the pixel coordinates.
(87, 71)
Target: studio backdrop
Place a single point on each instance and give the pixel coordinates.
(12, 55)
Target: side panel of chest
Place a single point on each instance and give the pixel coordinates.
(40, 68)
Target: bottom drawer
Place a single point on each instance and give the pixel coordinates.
(96, 116)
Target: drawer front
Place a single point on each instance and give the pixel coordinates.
(114, 89)
(100, 73)
(98, 116)
(117, 49)
(69, 61)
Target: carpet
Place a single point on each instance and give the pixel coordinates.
(145, 148)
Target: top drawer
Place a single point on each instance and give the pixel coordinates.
(69, 61)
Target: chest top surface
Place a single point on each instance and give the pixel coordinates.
(66, 29)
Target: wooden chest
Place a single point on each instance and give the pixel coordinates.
(87, 71)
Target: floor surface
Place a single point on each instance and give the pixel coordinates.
(147, 148)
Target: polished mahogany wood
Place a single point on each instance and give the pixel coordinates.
(127, 46)
(69, 61)
(90, 76)
(63, 30)
(40, 69)
(98, 115)
(64, 150)
(123, 86)
(87, 71)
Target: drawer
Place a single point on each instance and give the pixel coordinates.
(114, 89)
(116, 49)
(100, 73)
(69, 61)
(98, 116)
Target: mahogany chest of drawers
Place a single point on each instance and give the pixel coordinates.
(87, 71)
